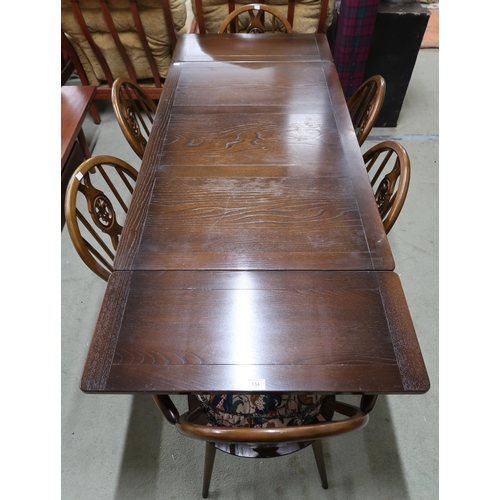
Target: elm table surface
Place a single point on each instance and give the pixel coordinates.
(253, 165)
(253, 249)
(220, 331)
(268, 47)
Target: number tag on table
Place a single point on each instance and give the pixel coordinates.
(255, 384)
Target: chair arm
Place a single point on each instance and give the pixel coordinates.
(167, 407)
(356, 419)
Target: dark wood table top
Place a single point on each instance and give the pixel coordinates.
(253, 249)
(266, 47)
(75, 101)
(295, 331)
(253, 166)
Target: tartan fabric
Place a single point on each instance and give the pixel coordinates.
(355, 24)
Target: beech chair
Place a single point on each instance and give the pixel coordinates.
(256, 22)
(390, 159)
(365, 105)
(95, 206)
(264, 442)
(135, 111)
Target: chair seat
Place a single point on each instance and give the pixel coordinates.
(261, 410)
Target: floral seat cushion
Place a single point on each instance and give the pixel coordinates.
(261, 410)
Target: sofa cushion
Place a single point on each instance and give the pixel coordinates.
(153, 21)
(261, 410)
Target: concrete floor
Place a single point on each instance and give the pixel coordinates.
(121, 447)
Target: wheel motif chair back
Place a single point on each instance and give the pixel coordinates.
(388, 166)
(96, 204)
(303, 16)
(256, 22)
(135, 112)
(365, 105)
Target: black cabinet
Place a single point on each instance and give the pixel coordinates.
(396, 41)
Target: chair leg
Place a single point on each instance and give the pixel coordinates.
(320, 462)
(209, 465)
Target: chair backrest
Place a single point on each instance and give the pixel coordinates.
(96, 204)
(388, 167)
(304, 16)
(365, 105)
(135, 111)
(107, 39)
(252, 19)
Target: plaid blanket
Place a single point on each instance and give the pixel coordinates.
(355, 24)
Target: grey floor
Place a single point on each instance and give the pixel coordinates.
(120, 447)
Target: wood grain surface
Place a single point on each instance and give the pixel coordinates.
(247, 47)
(214, 331)
(253, 166)
(253, 248)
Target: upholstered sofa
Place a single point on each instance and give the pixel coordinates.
(133, 39)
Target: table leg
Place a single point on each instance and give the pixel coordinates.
(368, 402)
(95, 113)
(83, 144)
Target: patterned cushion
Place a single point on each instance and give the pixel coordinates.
(261, 410)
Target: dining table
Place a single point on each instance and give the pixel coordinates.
(253, 256)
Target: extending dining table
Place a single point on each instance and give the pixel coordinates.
(253, 257)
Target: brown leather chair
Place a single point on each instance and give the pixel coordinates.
(388, 166)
